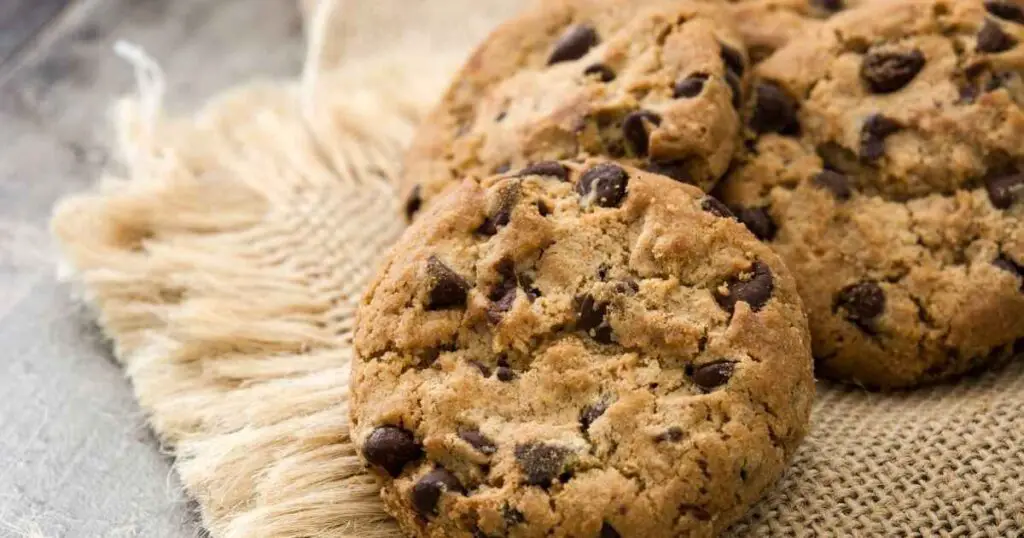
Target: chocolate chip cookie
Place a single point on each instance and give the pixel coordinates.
(650, 83)
(887, 172)
(767, 25)
(578, 350)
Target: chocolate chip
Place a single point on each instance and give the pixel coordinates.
(428, 490)
(391, 447)
(775, 111)
(574, 44)
(735, 86)
(999, 79)
(1004, 190)
(505, 374)
(590, 318)
(758, 220)
(447, 288)
(502, 215)
(628, 287)
(968, 93)
(1008, 11)
(831, 6)
(756, 290)
(501, 116)
(603, 185)
(541, 463)
(677, 170)
(512, 516)
(992, 38)
(861, 303)
(634, 130)
(873, 133)
(543, 209)
(603, 72)
(711, 376)
(1005, 263)
(889, 71)
(716, 208)
(546, 168)
(413, 203)
(497, 309)
(697, 512)
(591, 413)
(690, 86)
(733, 60)
(478, 441)
(834, 182)
(607, 531)
(673, 434)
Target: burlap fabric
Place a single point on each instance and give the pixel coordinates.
(226, 257)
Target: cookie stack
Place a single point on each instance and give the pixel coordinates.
(635, 223)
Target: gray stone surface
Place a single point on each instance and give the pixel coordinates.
(76, 459)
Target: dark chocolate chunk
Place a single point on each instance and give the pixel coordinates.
(1004, 190)
(711, 376)
(834, 182)
(497, 309)
(889, 71)
(574, 44)
(992, 38)
(635, 130)
(603, 72)
(541, 463)
(607, 531)
(715, 207)
(733, 60)
(603, 185)
(447, 288)
(673, 434)
(591, 413)
(414, 202)
(861, 303)
(590, 318)
(758, 220)
(1008, 11)
(428, 490)
(677, 170)
(775, 111)
(736, 87)
(478, 441)
(390, 448)
(504, 373)
(756, 290)
(507, 199)
(690, 86)
(873, 133)
(546, 168)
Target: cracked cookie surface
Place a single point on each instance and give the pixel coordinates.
(651, 83)
(580, 350)
(887, 172)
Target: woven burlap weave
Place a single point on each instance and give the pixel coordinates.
(226, 259)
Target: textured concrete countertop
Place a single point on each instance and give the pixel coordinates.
(76, 459)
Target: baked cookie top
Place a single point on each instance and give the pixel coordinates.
(887, 173)
(651, 83)
(579, 350)
(767, 25)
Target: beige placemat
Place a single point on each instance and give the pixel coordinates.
(226, 256)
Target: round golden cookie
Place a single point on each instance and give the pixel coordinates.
(887, 173)
(654, 84)
(578, 350)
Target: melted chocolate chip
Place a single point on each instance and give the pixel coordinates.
(497, 309)
(414, 202)
(715, 207)
(603, 72)
(607, 531)
(756, 290)
(992, 38)
(1004, 190)
(711, 376)
(830, 6)
(478, 441)
(574, 44)
(504, 373)
(590, 318)
(690, 86)
(541, 463)
(873, 133)
(390, 448)
(591, 413)
(603, 185)
(733, 60)
(507, 199)
(834, 182)
(758, 220)
(1008, 11)
(735, 86)
(428, 490)
(677, 170)
(673, 434)
(861, 303)
(553, 169)
(447, 288)
(889, 71)
(775, 111)
(635, 130)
